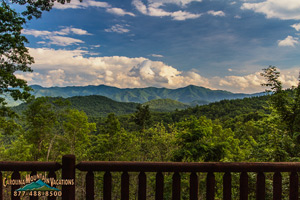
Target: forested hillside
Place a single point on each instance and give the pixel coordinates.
(100, 106)
(164, 105)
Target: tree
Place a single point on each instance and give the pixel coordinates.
(286, 103)
(40, 120)
(76, 132)
(141, 116)
(35, 8)
(14, 57)
(202, 140)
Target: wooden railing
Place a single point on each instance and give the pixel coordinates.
(69, 167)
(192, 168)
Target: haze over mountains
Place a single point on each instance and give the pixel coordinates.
(191, 94)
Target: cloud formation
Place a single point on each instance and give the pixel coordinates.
(154, 8)
(296, 26)
(76, 4)
(74, 67)
(282, 9)
(216, 13)
(57, 37)
(289, 41)
(157, 55)
(118, 28)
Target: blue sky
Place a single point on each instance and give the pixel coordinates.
(218, 44)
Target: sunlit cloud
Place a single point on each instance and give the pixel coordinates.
(289, 41)
(287, 9)
(296, 26)
(157, 55)
(119, 11)
(154, 8)
(75, 67)
(216, 13)
(58, 38)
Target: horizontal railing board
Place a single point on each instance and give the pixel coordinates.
(29, 166)
(188, 167)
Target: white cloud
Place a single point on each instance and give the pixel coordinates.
(182, 15)
(75, 68)
(69, 30)
(66, 67)
(154, 8)
(216, 13)
(182, 3)
(282, 9)
(76, 4)
(251, 83)
(118, 28)
(296, 26)
(95, 46)
(288, 41)
(35, 33)
(157, 55)
(56, 37)
(119, 11)
(63, 41)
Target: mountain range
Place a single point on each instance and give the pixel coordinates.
(193, 95)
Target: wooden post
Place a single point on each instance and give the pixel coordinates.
(1, 187)
(210, 186)
(107, 185)
(227, 186)
(15, 176)
(261, 186)
(52, 175)
(277, 186)
(176, 186)
(89, 180)
(142, 186)
(244, 186)
(33, 197)
(68, 172)
(125, 186)
(193, 186)
(159, 186)
(294, 186)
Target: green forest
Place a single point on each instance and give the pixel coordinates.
(256, 129)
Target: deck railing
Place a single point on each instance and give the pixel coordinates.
(69, 167)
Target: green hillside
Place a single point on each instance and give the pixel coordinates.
(100, 106)
(226, 109)
(94, 105)
(165, 105)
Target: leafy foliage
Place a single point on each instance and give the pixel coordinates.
(14, 57)
(165, 105)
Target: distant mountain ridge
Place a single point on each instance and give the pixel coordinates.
(100, 106)
(186, 94)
